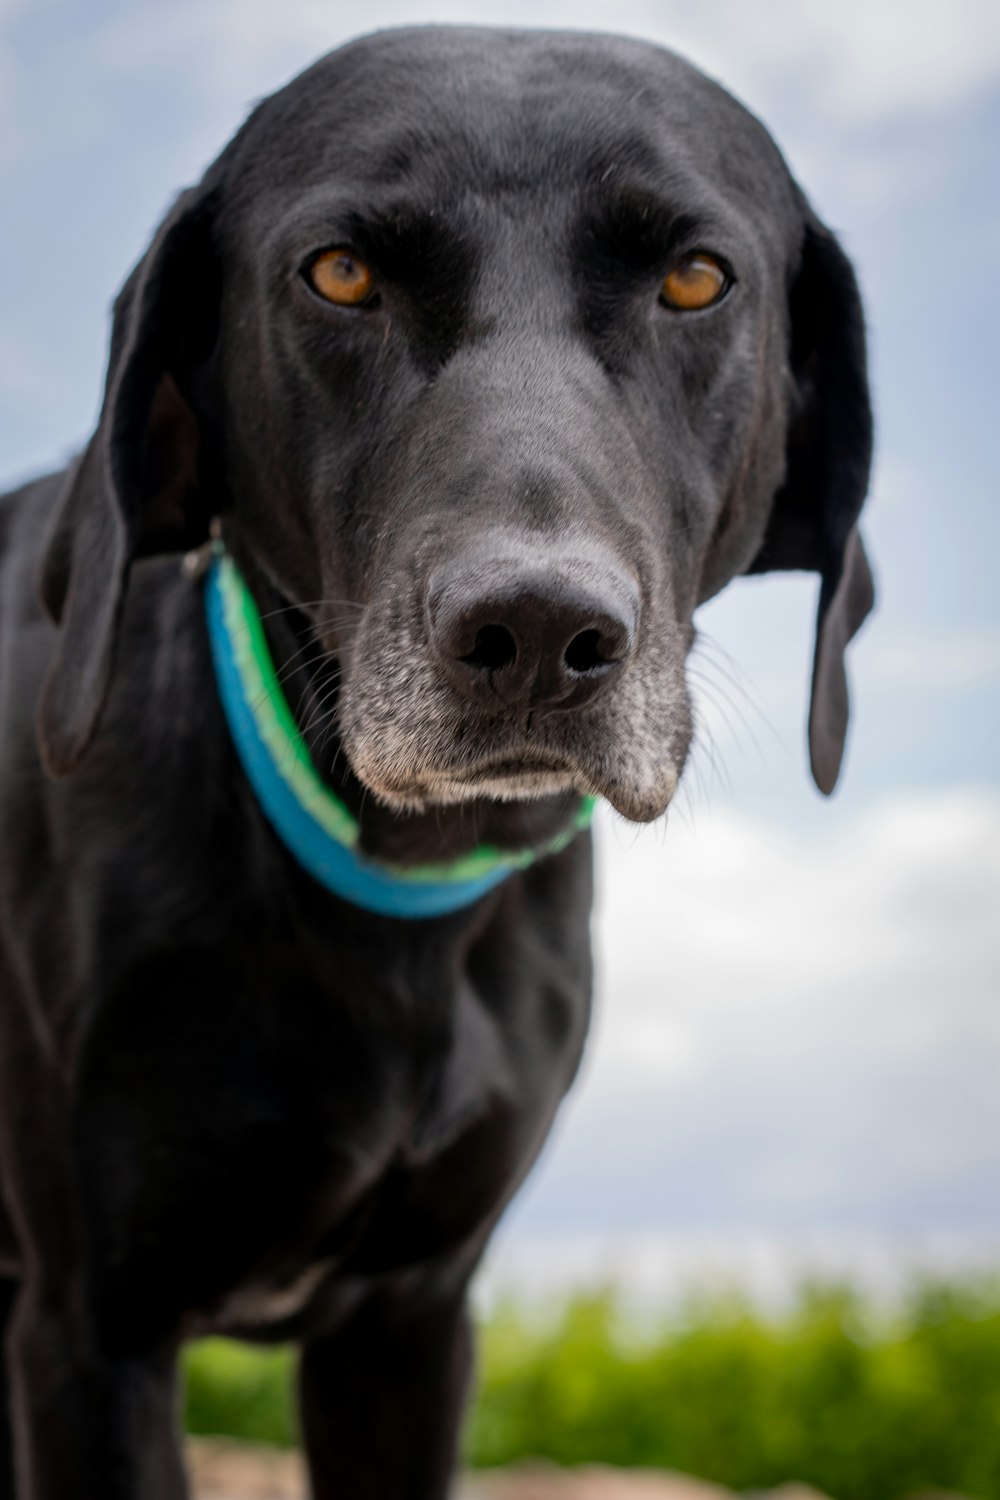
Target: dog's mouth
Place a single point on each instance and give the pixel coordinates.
(528, 778)
(503, 778)
(514, 768)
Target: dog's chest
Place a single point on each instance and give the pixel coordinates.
(239, 1154)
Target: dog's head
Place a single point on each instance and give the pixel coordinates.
(525, 345)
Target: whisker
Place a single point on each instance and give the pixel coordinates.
(709, 740)
(335, 620)
(318, 703)
(729, 668)
(322, 717)
(297, 659)
(269, 693)
(714, 692)
(305, 604)
(706, 742)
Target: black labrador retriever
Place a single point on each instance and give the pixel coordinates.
(484, 358)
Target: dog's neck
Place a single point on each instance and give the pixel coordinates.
(309, 678)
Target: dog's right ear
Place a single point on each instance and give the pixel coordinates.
(138, 486)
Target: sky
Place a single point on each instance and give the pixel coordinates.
(798, 1021)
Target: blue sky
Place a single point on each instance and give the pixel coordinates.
(799, 1024)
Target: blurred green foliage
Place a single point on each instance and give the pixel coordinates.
(862, 1405)
(240, 1391)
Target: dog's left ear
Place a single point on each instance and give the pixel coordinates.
(137, 487)
(812, 523)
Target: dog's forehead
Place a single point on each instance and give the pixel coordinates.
(440, 107)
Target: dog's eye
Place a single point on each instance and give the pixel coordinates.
(339, 276)
(696, 281)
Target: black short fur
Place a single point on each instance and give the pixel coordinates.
(228, 1101)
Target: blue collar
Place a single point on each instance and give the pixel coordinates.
(307, 815)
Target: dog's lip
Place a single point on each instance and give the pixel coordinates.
(484, 774)
(511, 777)
(508, 765)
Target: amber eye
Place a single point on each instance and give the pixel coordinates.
(695, 281)
(340, 277)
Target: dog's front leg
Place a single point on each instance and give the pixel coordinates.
(8, 1291)
(87, 1425)
(382, 1400)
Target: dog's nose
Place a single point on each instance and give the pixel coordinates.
(533, 634)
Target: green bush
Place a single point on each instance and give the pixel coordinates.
(235, 1390)
(862, 1406)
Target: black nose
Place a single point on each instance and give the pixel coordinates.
(540, 633)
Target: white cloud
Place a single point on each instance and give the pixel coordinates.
(736, 917)
(790, 1031)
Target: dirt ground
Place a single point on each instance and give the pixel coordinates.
(225, 1471)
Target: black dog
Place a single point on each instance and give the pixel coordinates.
(490, 356)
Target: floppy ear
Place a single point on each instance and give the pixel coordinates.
(136, 487)
(812, 523)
